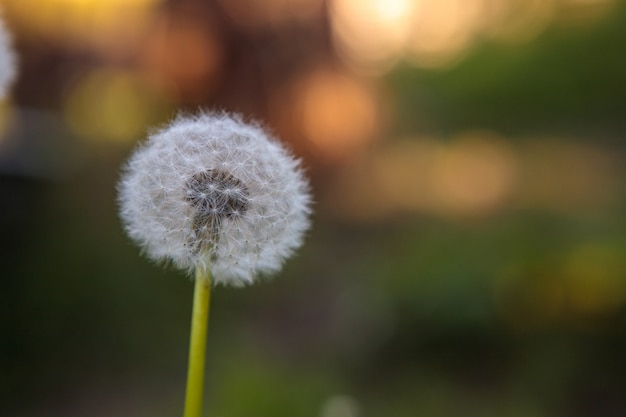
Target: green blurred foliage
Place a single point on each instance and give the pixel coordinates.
(568, 80)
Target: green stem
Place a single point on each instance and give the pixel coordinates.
(197, 344)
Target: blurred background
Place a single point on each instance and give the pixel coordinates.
(469, 170)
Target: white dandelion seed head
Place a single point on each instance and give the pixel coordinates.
(8, 61)
(210, 191)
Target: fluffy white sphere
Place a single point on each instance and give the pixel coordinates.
(211, 191)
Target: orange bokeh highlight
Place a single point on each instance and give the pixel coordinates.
(474, 175)
(183, 53)
(336, 113)
(477, 174)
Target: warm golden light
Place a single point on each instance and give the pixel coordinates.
(443, 29)
(83, 22)
(371, 34)
(338, 114)
(471, 176)
(474, 174)
(113, 106)
(477, 174)
(184, 53)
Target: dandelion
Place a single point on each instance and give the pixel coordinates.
(217, 196)
(212, 192)
(8, 61)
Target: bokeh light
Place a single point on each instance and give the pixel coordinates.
(372, 36)
(443, 30)
(476, 173)
(334, 111)
(113, 106)
(182, 52)
(110, 25)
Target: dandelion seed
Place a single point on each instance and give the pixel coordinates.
(213, 192)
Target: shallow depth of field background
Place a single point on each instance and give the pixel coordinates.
(468, 254)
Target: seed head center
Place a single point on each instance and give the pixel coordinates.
(215, 196)
(214, 193)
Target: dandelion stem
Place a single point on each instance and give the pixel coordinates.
(197, 344)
